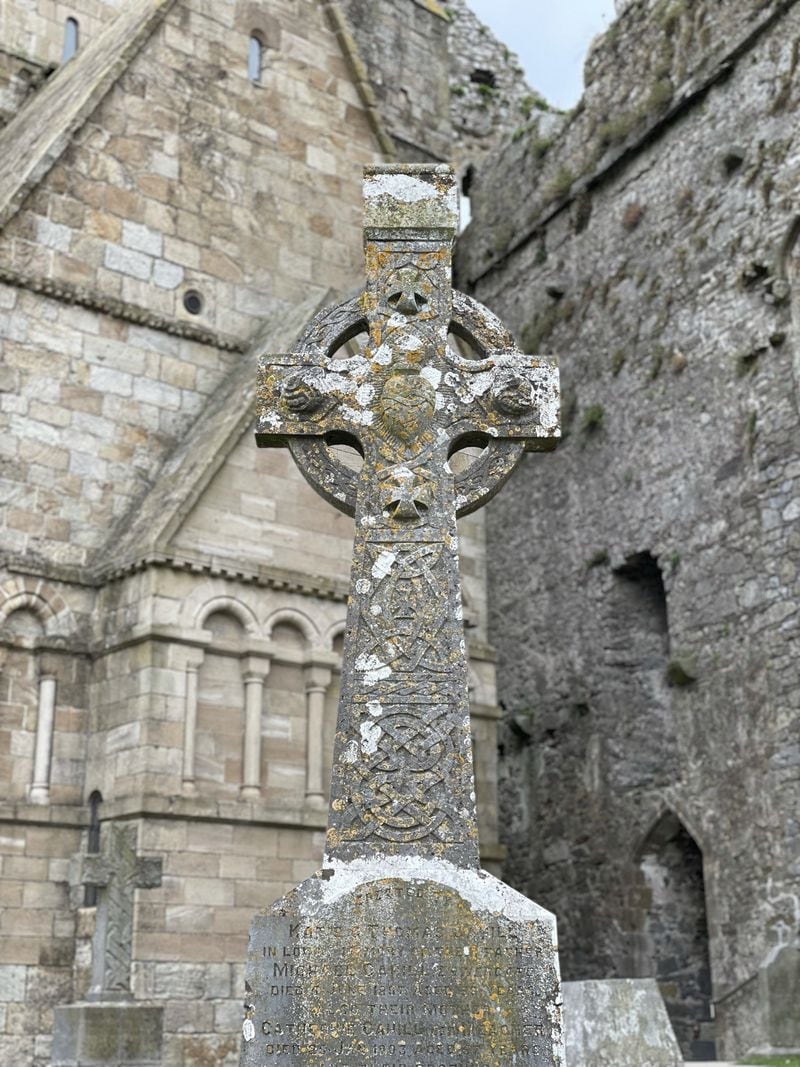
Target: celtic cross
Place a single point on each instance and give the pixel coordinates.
(402, 780)
(117, 872)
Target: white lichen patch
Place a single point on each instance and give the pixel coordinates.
(431, 374)
(383, 564)
(375, 708)
(363, 585)
(365, 394)
(372, 669)
(360, 416)
(248, 1030)
(406, 188)
(481, 890)
(350, 753)
(370, 736)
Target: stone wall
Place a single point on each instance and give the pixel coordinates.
(651, 245)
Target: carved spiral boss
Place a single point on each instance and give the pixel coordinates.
(402, 773)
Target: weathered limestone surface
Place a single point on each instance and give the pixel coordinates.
(400, 960)
(120, 1034)
(452, 111)
(650, 778)
(399, 945)
(618, 1023)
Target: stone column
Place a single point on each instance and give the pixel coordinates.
(317, 679)
(193, 663)
(254, 670)
(40, 787)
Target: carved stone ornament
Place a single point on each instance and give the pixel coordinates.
(117, 872)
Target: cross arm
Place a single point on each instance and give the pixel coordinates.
(506, 396)
(147, 874)
(298, 396)
(93, 870)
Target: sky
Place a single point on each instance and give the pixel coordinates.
(551, 38)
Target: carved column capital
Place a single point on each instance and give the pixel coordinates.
(255, 668)
(317, 677)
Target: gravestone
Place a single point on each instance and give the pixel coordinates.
(401, 951)
(619, 1021)
(109, 1027)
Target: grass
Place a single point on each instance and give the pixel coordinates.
(774, 1061)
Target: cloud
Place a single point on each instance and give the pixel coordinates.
(550, 37)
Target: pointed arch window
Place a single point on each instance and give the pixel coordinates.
(255, 58)
(70, 39)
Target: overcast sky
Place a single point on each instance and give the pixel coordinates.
(550, 37)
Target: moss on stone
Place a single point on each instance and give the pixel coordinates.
(560, 185)
(681, 670)
(660, 96)
(592, 418)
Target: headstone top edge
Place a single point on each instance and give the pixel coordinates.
(482, 891)
(437, 169)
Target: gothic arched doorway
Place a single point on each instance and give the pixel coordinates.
(673, 933)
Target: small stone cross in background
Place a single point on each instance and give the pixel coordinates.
(117, 872)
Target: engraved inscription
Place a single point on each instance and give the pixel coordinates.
(406, 975)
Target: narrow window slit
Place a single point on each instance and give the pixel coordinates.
(70, 39)
(255, 58)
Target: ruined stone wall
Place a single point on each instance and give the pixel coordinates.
(404, 45)
(448, 88)
(490, 98)
(651, 246)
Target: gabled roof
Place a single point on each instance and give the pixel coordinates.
(42, 130)
(360, 75)
(154, 520)
(38, 134)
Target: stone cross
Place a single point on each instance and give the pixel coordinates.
(400, 950)
(117, 872)
(402, 779)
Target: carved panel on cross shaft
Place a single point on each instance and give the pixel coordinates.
(410, 757)
(404, 617)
